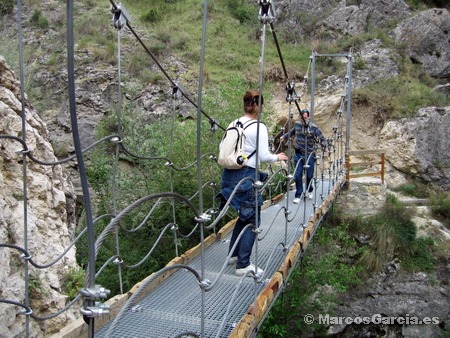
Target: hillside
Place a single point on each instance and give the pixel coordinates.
(385, 75)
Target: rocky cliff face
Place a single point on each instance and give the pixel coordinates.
(46, 224)
(419, 146)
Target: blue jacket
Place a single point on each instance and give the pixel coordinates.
(306, 136)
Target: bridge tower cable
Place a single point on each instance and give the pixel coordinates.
(289, 83)
(92, 293)
(26, 310)
(120, 19)
(203, 217)
(266, 15)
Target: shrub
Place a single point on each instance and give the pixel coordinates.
(399, 97)
(151, 15)
(243, 11)
(6, 6)
(420, 257)
(38, 20)
(73, 282)
(412, 189)
(440, 207)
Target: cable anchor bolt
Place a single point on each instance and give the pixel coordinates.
(26, 311)
(177, 90)
(258, 184)
(205, 283)
(212, 211)
(26, 257)
(118, 261)
(291, 95)
(98, 292)
(203, 218)
(214, 124)
(99, 309)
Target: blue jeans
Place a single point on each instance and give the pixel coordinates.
(244, 247)
(247, 205)
(298, 176)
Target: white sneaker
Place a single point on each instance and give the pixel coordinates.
(251, 267)
(232, 260)
(296, 200)
(309, 195)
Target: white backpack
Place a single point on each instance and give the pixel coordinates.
(231, 149)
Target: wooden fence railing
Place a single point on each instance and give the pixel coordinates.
(379, 160)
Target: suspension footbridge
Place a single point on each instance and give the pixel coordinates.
(197, 293)
(176, 303)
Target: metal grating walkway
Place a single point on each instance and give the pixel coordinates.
(175, 306)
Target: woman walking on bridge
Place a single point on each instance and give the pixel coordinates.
(244, 201)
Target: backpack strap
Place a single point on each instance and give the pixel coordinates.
(249, 123)
(253, 153)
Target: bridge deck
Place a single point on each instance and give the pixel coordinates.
(175, 306)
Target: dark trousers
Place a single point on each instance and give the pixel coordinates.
(298, 175)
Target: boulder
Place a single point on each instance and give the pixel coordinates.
(425, 38)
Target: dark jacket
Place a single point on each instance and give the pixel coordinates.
(306, 136)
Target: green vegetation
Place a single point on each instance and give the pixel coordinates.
(416, 189)
(38, 20)
(36, 286)
(315, 285)
(233, 47)
(393, 234)
(6, 6)
(73, 282)
(398, 97)
(337, 263)
(439, 202)
(440, 206)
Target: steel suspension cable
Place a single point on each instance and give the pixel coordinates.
(203, 217)
(90, 276)
(280, 56)
(118, 25)
(24, 165)
(174, 84)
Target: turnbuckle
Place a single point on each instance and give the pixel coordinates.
(120, 16)
(266, 13)
(291, 95)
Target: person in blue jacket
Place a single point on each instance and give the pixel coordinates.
(307, 135)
